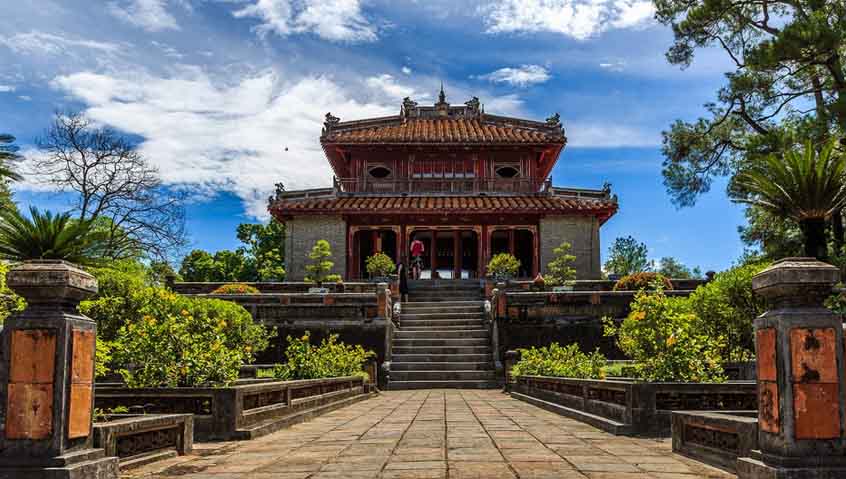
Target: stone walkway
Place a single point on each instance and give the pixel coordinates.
(432, 434)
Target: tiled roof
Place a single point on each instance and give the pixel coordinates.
(445, 130)
(528, 204)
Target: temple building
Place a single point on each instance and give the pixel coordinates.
(466, 183)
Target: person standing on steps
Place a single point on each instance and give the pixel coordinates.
(402, 274)
(417, 250)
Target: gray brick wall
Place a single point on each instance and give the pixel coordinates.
(302, 233)
(582, 234)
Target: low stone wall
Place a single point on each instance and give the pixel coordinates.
(715, 438)
(291, 287)
(241, 411)
(591, 285)
(632, 407)
(139, 439)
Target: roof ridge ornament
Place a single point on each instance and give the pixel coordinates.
(331, 122)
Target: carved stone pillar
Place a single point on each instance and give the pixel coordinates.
(800, 354)
(47, 378)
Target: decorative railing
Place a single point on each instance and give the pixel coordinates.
(442, 185)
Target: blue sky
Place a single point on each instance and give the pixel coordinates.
(215, 90)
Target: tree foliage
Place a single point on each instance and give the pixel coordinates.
(788, 76)
(113, 186)
(330, 359)
(8, 155)
(806, 186)
(380, 265)
(9, 302)
(503, 266)
(627, 256)
(560, 361)
(672, 268)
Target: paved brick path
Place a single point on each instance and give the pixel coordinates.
(431, 434)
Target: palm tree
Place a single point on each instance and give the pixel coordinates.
(806, 186)
(47, 236)
(8, 153)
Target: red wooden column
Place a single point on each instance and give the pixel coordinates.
(402, 245)
(536, 253)
(433, 258)
(352, 255)
(376, 242)
(483, 251)
(456, 267)
(511, 247)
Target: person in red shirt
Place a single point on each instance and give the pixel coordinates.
(417, 250)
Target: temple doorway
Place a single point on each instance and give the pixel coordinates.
(448, 254)
(370, 242)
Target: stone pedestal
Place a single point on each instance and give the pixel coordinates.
(47, 378)
(800, 360)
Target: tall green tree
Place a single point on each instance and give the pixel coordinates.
(675, 269)
(627, 256)
(803, 185)
(264, 243)
(8, 156)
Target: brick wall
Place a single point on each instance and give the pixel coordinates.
(582, 234)
(302, 233)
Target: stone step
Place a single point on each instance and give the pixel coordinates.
(442, 366)
(440, 296)
(460, 326)
(443, 315)
(441, 323)
(442, 304)
(440, 350)
(456, 358)
(441, 334)
(411, 308)
(441, 342)
(403, 385)
(472, 375)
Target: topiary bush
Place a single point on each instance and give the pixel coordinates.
(236, 288)
(560, 271)
(176, 341)
(644, 280)
(503, 266)
(331, 359)
(662, 336)
(380, 265)
(560, 361)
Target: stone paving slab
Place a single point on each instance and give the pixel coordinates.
(435, 434)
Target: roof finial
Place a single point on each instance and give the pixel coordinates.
(442, 95)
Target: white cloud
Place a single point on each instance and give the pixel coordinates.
(406, 70)
(614, 66)
(151, 15)
(25, 97)
(334, 20)
(42, 43)
(209, 136)
(7, 88)
(522, 76)
(389, 91)
(579, 19)
(607, 135)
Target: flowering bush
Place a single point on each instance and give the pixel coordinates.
(555, 360)
(236, 288)
(9, 301)
(644, 280)
(503, 266)
(329, 360)
(380, 264)
(661, 336)
(179, 341)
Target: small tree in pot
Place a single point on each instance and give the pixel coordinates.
(560, 273)
(321, 265)
(503, 267)
(379, 266)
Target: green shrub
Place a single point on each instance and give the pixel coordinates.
(172, 340)
(115, 303)
(644, 280)
(380, 265)
(503, 266)
(555, 360)
(727, 307)
(560, 270)
(236, 288)
(661, 335)
(329, 360)
(9, 301)
(102, 357)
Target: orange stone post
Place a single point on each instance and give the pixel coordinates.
(47, 378)
(800, 356)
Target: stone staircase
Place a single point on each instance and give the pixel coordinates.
(442, 340)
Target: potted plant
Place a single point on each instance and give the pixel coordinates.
(379, 266)
(503, 267)
(321, 265)
(560, 273)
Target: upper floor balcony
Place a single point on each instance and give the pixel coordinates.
(441, 185)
